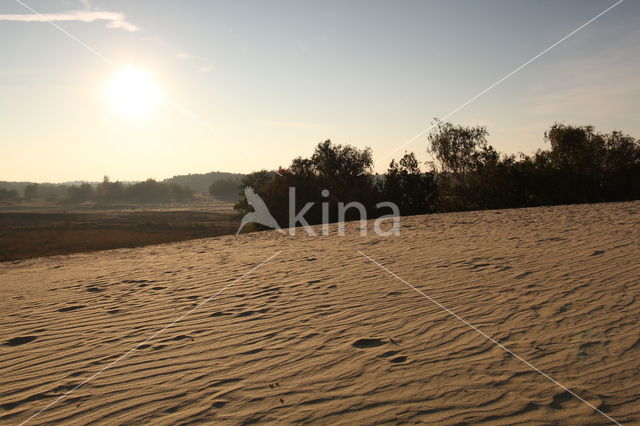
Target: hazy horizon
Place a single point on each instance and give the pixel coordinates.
(117, 178)
(278, 78)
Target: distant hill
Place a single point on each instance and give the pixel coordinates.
(200, 182)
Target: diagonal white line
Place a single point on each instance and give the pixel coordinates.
(94, 51)
(183, 111)
(491, 339)
(111, 364)
(422, 132)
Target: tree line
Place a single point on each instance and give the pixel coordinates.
(200, 182)
(148, 191)
(580, 165)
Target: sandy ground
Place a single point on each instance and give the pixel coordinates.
(321, 334)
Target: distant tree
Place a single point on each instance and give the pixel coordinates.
(80, 193)
(225, 189)
(179, 193)
(51, 192)
(151, 191)
(8, 194)
(110, 191)
(200, 182)
(31, 191)
(148, 191)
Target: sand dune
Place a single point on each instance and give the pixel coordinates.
(321, 334)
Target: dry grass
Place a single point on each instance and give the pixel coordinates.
(28, 235)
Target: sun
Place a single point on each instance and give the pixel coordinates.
(133, 93)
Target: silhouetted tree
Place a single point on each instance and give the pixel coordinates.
(342, 170)
(459, 151)
(621, 174)
(413, 191)
(581, 165)
(256, 180)
(457, 147)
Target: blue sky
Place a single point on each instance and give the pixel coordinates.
(276, 77)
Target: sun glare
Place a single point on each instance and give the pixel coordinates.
(133, 93)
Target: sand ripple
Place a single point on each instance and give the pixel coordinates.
(320, 334)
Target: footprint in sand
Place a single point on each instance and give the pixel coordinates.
(249, 313)
(17, 341)
(182, 337)
(367, 343)
(522, 275)
(559, 399)
(71, 308)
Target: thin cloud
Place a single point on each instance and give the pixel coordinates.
(114, 19)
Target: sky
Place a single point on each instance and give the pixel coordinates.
(241, 86)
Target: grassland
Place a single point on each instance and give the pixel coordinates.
(39, 231)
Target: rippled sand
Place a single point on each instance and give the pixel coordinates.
(320, 333)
